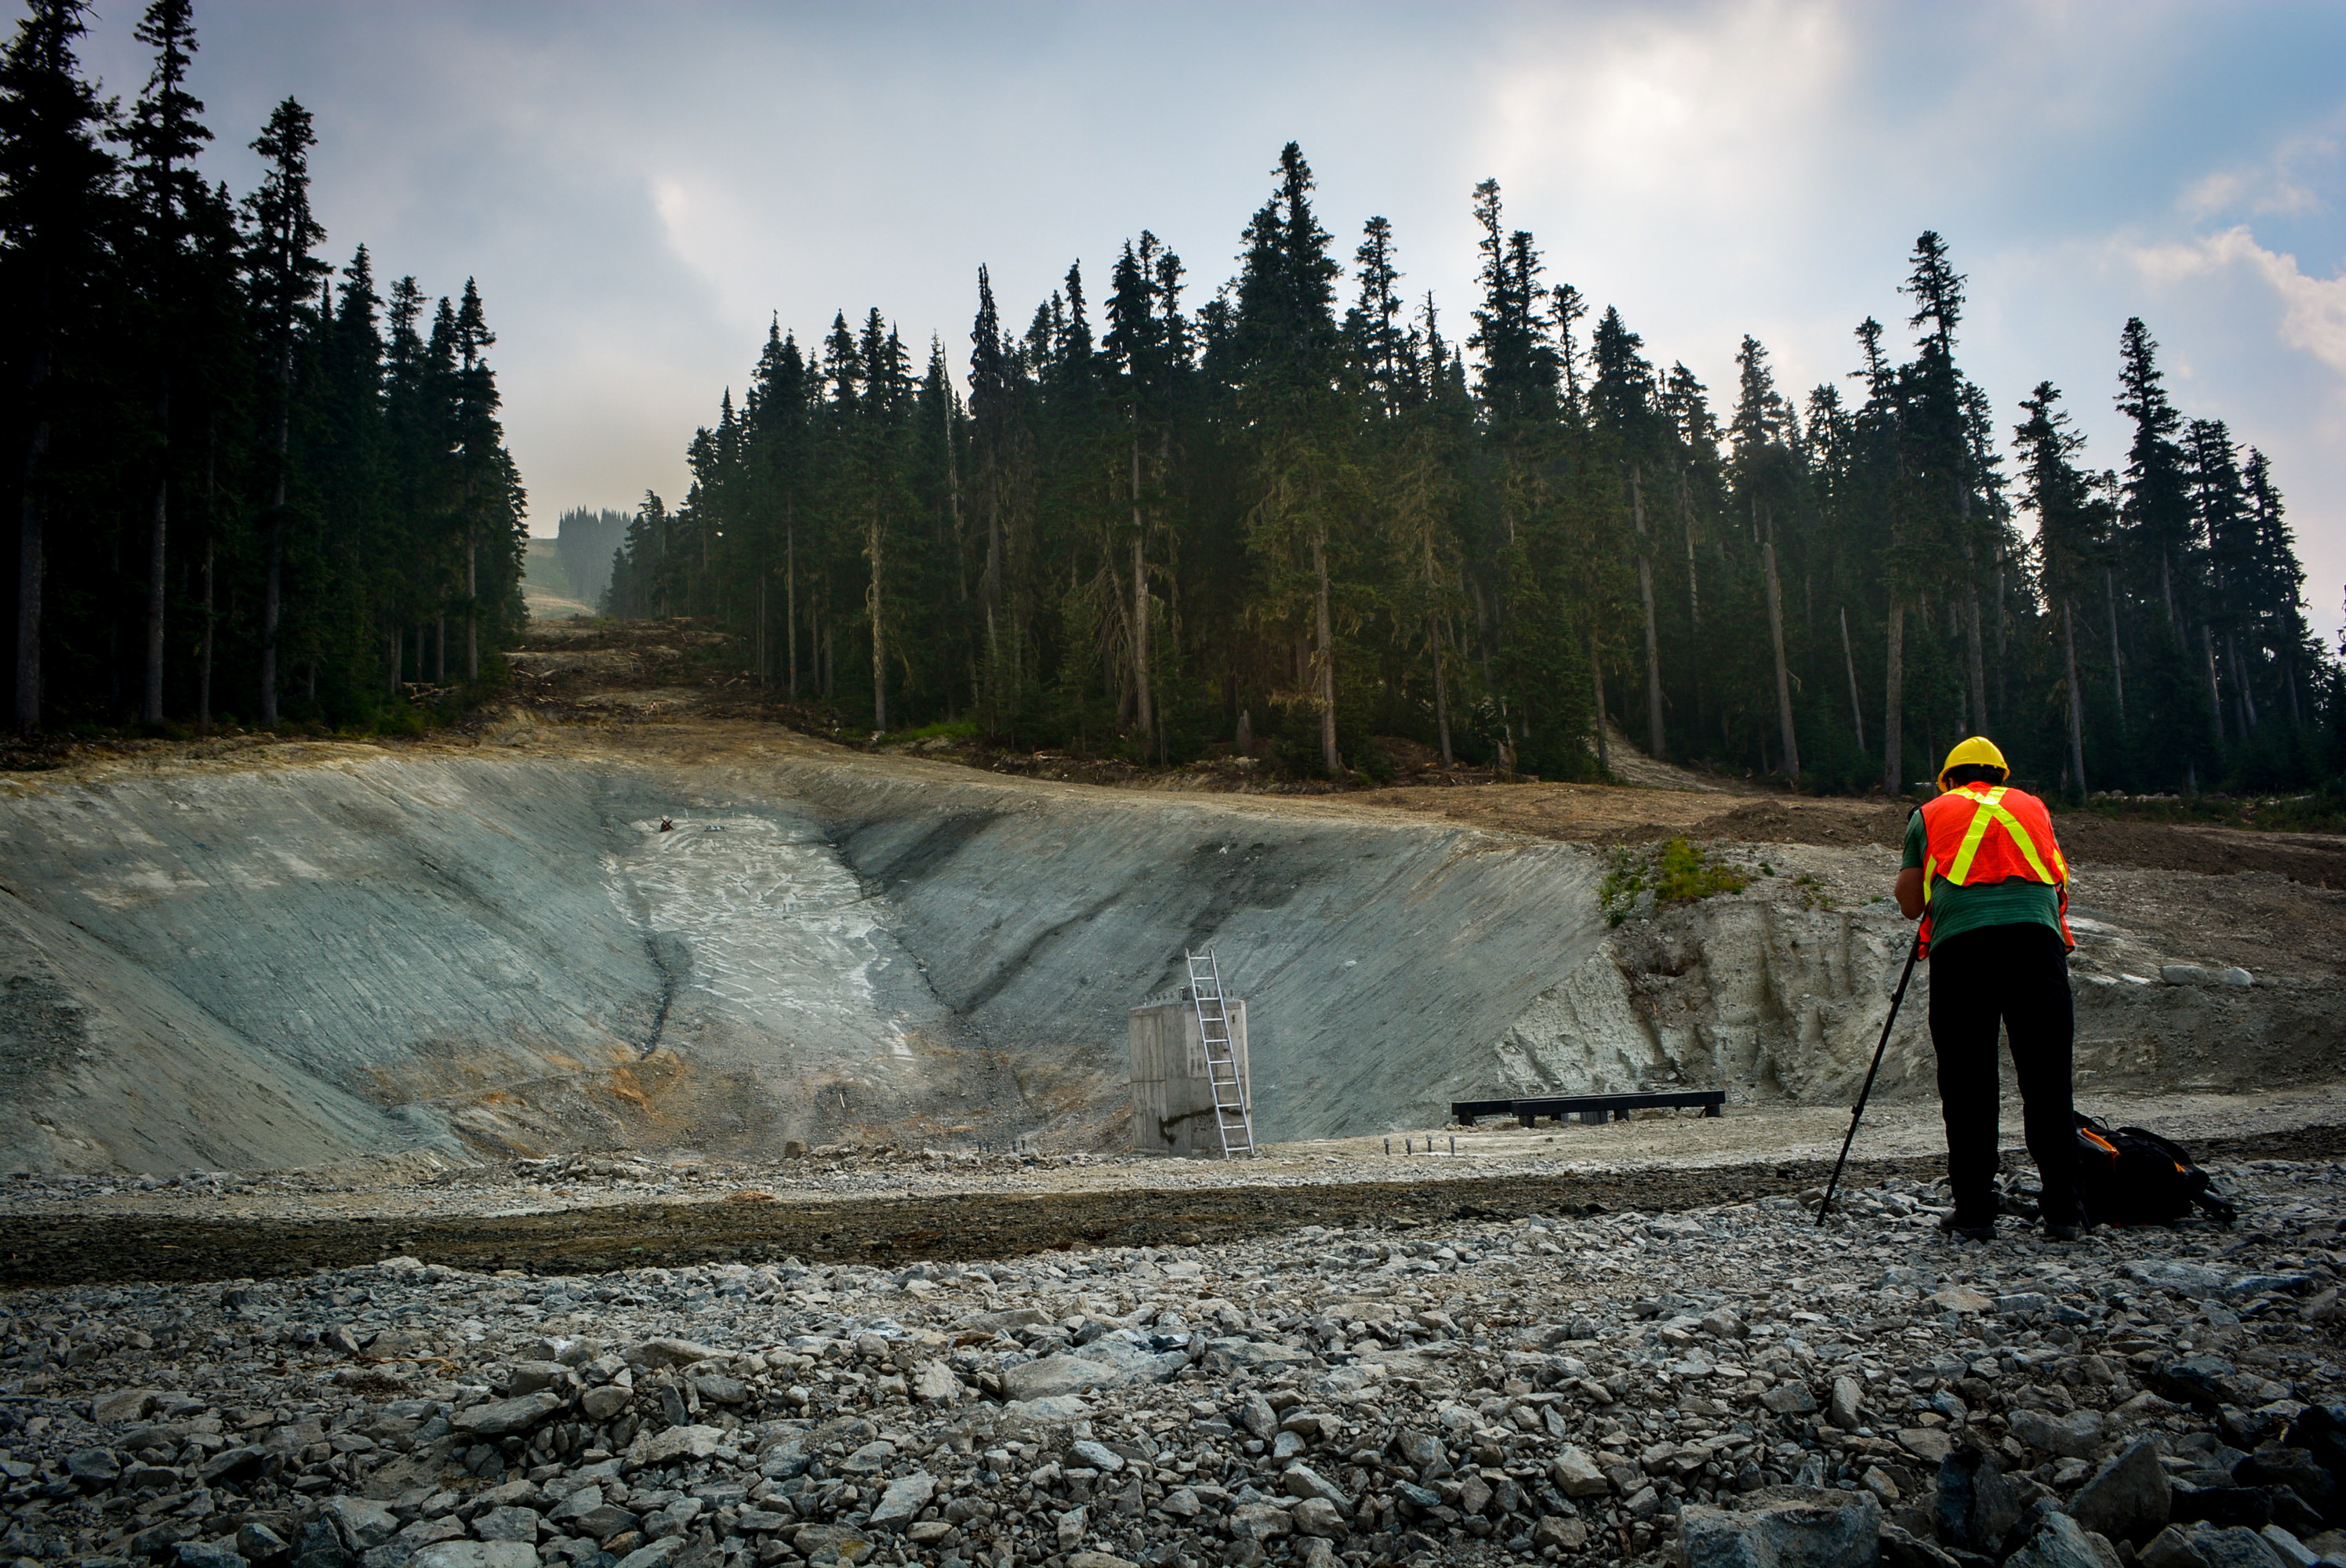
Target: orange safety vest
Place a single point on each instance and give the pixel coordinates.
(1991, 833)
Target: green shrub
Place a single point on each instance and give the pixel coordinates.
(947, 729)
(1683, 874)
(1624, 880)
(1675, 872)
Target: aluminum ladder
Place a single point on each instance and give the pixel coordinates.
(1233, 1117)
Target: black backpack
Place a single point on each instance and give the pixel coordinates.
(2129, 1176)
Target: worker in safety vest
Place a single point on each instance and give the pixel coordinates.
(1982, 871)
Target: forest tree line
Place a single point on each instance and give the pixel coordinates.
(250, 488)
(1292, 524)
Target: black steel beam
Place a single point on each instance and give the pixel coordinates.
(1619, 1106)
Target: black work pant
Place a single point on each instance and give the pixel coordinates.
(2017, 976)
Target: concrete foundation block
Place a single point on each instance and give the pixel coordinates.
(1172, 1096)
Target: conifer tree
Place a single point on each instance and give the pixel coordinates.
(1373, 326)
(1260, 527)
(1301, 475)
(1519, 369)
(54, 184)
(1000, 452)
(2157, 515)
(2221, 523)
(345, 452)
(2073, 523)
(164, 136)
(2159, 545)
(1767, 473)
(490, 496)
(229, 482)
(1933, 533)
(1622, 401)
(1146, 354)
(282, 236)
(2272, 598)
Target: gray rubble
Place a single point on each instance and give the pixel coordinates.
(1724, 1385)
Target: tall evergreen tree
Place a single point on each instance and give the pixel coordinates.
(229, 481)
(1262, 528)
(490, 499)
(1147, 355)
(2158, 555)
(1287, 368)
(56, 181)
(2271, 588)
(1622, 402)
(2072, 527)
(281, 238)
(1768, 473)
(2220, 521)
(2157, 515)
(164, 136)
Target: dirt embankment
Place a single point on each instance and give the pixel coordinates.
(62, 1249)
(1613, 814)
(54, 1250)
(672, 690)
(1607, 814)
(631, 671)
(2316, 860)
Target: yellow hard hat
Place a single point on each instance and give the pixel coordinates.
(1978, 751)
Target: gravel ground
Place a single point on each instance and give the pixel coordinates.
(426, 1185)
(1554, 1386)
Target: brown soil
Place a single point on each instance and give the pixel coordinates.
(59, 1249)
(2314, 859)
(669, 686)
(1604, 814)
(1613, 814)
(50, 1250)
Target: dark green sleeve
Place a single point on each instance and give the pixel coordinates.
(1917, 841)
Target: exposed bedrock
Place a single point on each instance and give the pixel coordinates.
(501, 953)
(1770, 999)
(238, 966)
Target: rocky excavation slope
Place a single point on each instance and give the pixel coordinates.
(334, 950)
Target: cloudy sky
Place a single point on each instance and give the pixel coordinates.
(639, 188)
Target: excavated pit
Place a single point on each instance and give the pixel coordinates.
(328, 951)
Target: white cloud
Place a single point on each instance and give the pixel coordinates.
(2269, 340)
(2285, 183)
(1718, 109)
(2313, 310)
